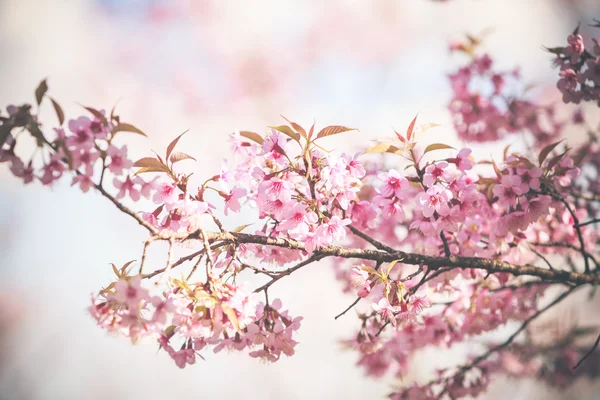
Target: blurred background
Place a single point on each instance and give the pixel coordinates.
(213, 67)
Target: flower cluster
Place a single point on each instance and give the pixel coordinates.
(197, 316)
(488, 104)
(441, 246)
(579, 69)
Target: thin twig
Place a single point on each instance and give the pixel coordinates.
(589, 353)
(593, 221)
(374, 242)
(311, 259)
(355, 302)
(507, 342)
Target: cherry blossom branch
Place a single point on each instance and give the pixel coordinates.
(375, 243)
(409, 258)
(499, 347)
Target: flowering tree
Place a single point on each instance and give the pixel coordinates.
(439, 244)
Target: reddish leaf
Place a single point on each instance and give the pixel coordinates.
(97, 114)
(409, 131)
(287, 130)
(41, 91)
(546, 150)
(149, 164)
(400, 137)
(59, 111)
(123, 127)
(151, 169)
(297, 127)
(312, 130)
(179, 156)
(172, 145)
(552, 163)
(252, 136)
(334, 130)
(496, 169)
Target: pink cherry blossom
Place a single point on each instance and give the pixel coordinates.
(435, 199)
(386, 310)
(118, 159)
(394, 183)
(127, 187)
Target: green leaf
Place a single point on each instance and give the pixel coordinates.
(546, 150)
(179, 156)
(334, 130)
(391, 265)
(59, 111)
(123, 127)
(288, 131)
(437, 146)
(41, 91)
(172, 145)
(252, 136)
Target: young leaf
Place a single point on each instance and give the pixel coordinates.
(334, 130)
(123, 127)
(409, 131)
(41, 91)
(423, 128)
(252, 136)
(552, 163)
(179, 156)
(116, 271)
(505, 152)
(124, 267)
(151, 169)
(546, 150)
(297, 127)
(97, 114)
(370, 270)
(390, 266)
(400, 137)
(172, 145)
(241, 228)
(230, 312)
(59, 111)
(437, 146)
(312, 130)
(149, 164)
(496, 169)
(384, 148)
(288, 131)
